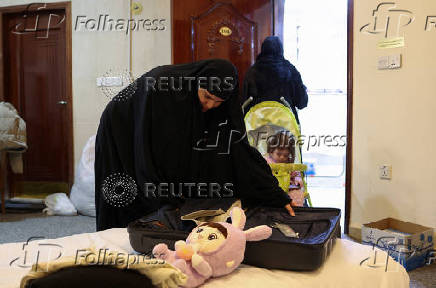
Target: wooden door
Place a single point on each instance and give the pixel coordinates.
(232, 30)
(223, 32)
(35, 65)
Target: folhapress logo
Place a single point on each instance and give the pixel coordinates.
(104, 23)
(388, 20)
(36, 20)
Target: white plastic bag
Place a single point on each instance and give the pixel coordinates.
(83, 191)
(59, 204)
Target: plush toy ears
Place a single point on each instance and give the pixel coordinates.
(258, 233)
(238, 217)
(253, 234)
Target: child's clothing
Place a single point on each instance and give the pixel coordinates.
(297, 195)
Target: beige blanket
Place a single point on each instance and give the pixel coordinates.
(161, 274)
(342, 269)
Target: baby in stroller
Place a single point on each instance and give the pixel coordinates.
(281, 149)
(273, 130)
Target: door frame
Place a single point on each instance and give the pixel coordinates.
(278, 31)
(277, 19)
(68, 77)
(349, 148)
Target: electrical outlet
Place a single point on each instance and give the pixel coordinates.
(385, 172)
(389, 62)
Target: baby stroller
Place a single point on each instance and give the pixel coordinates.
(266, 119)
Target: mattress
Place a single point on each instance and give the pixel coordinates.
(350, 264)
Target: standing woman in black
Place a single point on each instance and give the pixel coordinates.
(161, 130)
(272, 77)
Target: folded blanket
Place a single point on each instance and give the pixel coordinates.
(12, 136)
(161, 274)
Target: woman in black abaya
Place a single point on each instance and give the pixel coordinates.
(272, 76)
(172, 126)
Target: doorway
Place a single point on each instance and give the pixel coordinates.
(315, 40)
(232, 30)
(36, 44)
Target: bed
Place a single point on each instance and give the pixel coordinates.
(347, 266)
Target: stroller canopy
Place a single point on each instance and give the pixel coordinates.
(268, 118)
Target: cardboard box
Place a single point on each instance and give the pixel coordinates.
(408, 243)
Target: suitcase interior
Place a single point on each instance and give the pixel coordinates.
(317, 227)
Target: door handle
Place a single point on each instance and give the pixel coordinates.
(62, 102)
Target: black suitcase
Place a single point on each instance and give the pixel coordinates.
(318, 229)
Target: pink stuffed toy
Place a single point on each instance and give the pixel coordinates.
(212, 249)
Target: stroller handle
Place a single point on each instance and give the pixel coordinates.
(246, 102)
(286, 103)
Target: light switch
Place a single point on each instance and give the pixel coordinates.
(395, 61)
(383, 62)
(389, 62)
(109, 81)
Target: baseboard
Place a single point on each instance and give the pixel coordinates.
(26, 200)
(355, 232)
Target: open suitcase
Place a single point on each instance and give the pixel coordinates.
(317, 228)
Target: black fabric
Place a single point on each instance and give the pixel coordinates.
(272, 76)
(92, 277)
(161, 136)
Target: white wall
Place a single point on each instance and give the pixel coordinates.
(394, 121)
(94, 53)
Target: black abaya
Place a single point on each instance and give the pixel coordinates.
(161, 136)
(272, 76)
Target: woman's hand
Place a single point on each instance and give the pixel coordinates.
(289, 208)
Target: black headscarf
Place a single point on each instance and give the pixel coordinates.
(158, 135)
(272, 76)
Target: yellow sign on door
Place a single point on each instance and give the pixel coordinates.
(225, 31)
